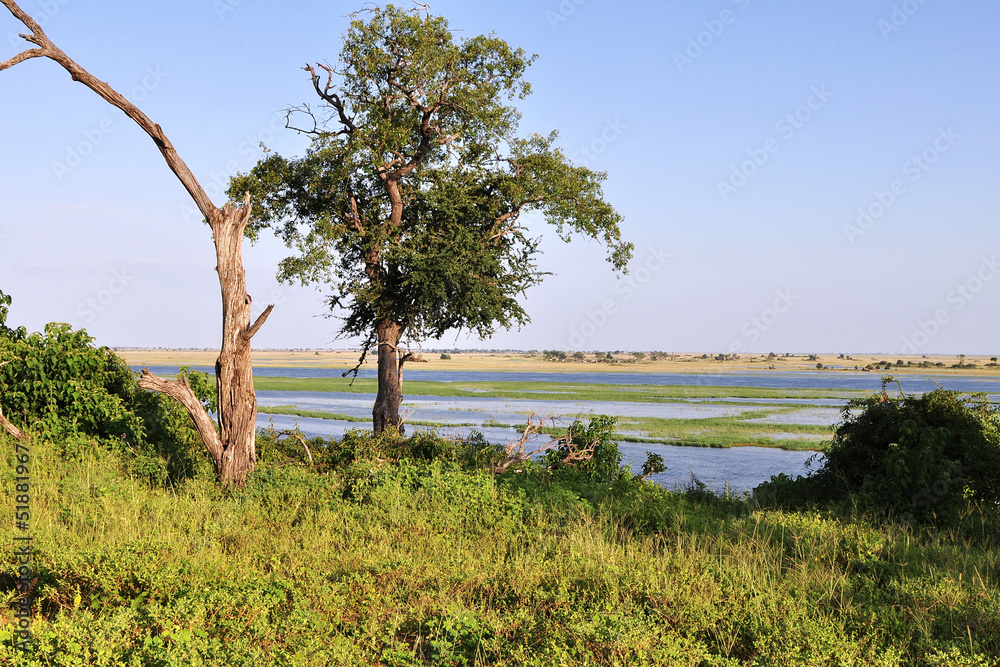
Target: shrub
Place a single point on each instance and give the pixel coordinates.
(604, 463)
(59, 385)
(923, 458)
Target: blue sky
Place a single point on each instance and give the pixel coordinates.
(796, 177)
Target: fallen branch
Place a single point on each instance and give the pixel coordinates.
(10, 428)
(300, 438)
(515, 450)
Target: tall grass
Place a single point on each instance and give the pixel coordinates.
(416, 562)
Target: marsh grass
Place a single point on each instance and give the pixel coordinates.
(699, 432)
(416, 562)
(552, 390)
(293, 411)
(725, 432)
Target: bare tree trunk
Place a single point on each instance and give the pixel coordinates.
(234, 367)
(390, 387)
(232, 447)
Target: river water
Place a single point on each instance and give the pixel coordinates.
(857, 380)
(739, 469)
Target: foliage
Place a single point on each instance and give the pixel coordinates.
(418, 561)
(918, 457)
(653, 465)
(409, 201)
(203, 386)
(58, 385)
(604, 462)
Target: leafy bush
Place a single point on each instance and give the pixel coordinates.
(605, 461)
(917, 457)
(60, 386)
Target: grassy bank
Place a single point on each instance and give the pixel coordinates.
(419, 560)
(555, 390)
(316, 414)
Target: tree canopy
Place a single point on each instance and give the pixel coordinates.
(410, 202)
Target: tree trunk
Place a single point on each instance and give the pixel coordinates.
(234, 367)
(232, 446)
(390, 388)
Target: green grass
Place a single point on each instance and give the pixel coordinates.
(317, 414)
(404, 563)
(724, 432)
(705, 432)
(553, 390)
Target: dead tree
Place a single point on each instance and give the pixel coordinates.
(232, 445)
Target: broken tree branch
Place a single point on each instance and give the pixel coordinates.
(249, 333)
(10, 428)
(180, 391)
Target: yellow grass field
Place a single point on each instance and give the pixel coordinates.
(520, 361)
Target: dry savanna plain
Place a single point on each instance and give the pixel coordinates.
(536, 362)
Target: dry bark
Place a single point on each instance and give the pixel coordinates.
(232, 447)
(10, 428)
(385, 413)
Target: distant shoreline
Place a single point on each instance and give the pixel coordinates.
(623, 362)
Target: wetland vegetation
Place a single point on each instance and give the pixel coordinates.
(401, 551)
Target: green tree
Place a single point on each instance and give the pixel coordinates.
(410, 201)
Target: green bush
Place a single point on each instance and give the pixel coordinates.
(922, 458)
(604, 463)
(58, 385)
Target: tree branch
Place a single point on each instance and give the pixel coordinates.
(113, 97)
(251, 331)
(298, 436)
(10, 428)
(364, 354)
(180, 391)
(331, 98)
(515, 450)
(21, 57)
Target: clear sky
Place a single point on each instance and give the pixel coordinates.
(796, 176)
